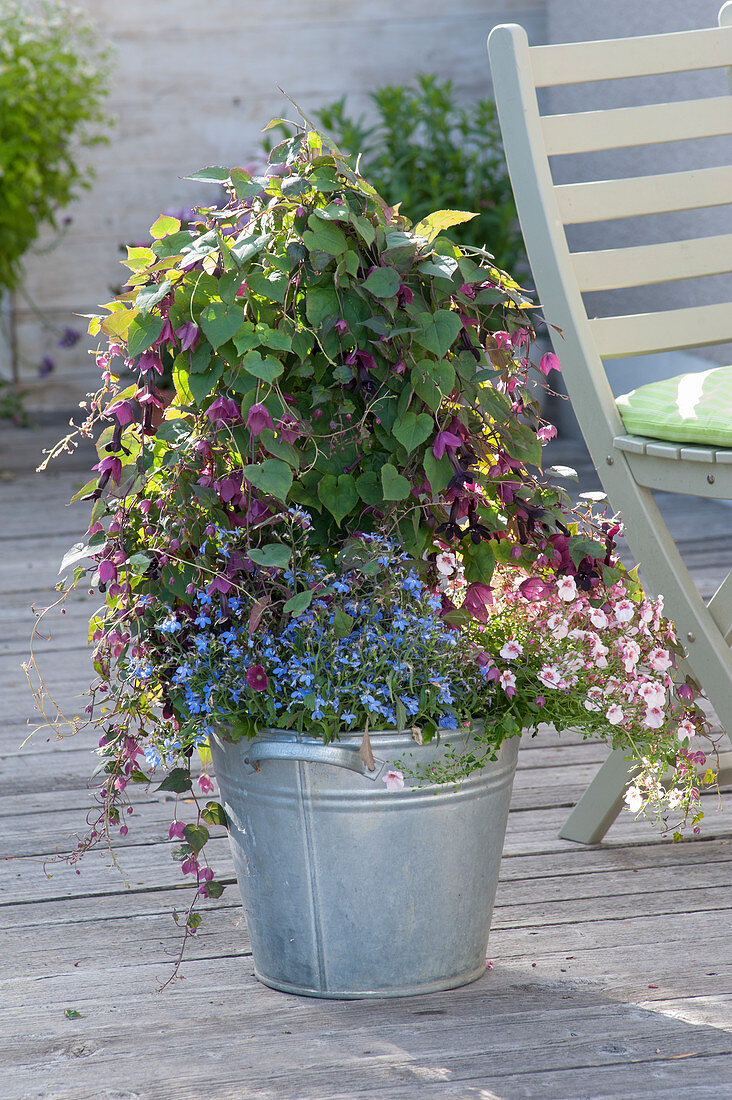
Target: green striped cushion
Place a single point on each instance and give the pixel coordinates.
(690, 408)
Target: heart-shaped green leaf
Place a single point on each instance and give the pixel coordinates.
(271, 476)
(299, 602)
(394, 485)
(413, 429)
(265, 367)
(383, 282)
(434, 223)
(439, 330)
(324, 236)
(342, 623)
(273, 555)
(338, 494)
(220, 321)
(142, 333)
(196, 836)
(149, 296)
(438, 470)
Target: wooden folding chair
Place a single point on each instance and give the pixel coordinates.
(630, 466)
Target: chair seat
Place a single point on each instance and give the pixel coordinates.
(691, 408)
(679, 452)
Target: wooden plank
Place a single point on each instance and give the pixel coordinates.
(640, 333)
(653, 263)
(605, 200)
(648, 124)
(642, 55)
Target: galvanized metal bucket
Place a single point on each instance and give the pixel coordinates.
(351, 890)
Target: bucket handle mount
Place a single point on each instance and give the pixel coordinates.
(337, 755)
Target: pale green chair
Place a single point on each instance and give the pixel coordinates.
(673, 439)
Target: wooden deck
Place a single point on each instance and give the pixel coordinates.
(611, 964)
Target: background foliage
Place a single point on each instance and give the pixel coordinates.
(53, 78)
(428, 153)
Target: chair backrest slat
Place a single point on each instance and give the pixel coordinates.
(666, 330)
(603, 200)
(653, 263)
(650, 124)
(616, 58)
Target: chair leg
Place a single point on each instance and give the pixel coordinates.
(601, 803)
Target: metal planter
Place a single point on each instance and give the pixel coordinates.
(351, 890)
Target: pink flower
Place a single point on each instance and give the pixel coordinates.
(533, 588)
(598, 618)
(615, 714)
(540, 701)
(659, 660)
(107, 572)
(633, 799)
(546, 432)
(259, 419)
(549, 676)
(652, 693)
(446, 563)
(205, 784)
(224, 410)
(189, 866)
(507, 680)
(548, 362)
(111, 467)
(510, 650)
(654, 718)
(566, 589)
(394, 780)
(176, 830)
(257, 678)
(685, 732)
(624, 611)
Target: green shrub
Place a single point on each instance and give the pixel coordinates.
(427, 153)
(53, 77)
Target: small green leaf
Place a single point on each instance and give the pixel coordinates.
(369, 488)
(439, 471)
(323, 236)
(479, 562)
(299, 602)
(214, 174)
(72, 1014)
(149, 296)
(248, 245)
(394, 485)
(78, 552)
(220, 322)
(265, 367)
(177, 780)
(164, 226)
(439, 330)
(441, 267)
(215, 814)
(271, 476)
(142, 333)
(201, 385)
(342, 623)
(339, 495)
(383, 282)
(434, 223)
(413, 429)
(196, 836)
(215, 889)
(273, 555)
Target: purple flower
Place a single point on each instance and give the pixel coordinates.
(405, 296)
(176, 830)
(259, 419)
(68, 338)
(47, 365)
(188, 334)
(257, 678)
(533, 588)
(149, 361)
(122, 411)
(548, 362)
(107, 571)
(224, 410)
(478, 598)
(443, 441)
(110, 466)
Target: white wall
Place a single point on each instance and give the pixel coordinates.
(193, 85)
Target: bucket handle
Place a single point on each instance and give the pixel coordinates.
(337, 755)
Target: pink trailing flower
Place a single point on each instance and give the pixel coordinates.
(122, 411)
(534, 588)
(176, 830)
(205, 784)
(110, 466)
(257, 678)
(224, 410)
(107, 572)
(507, 680)
(549, 362)
(478, 598)
(546, 432)
(394, 780)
